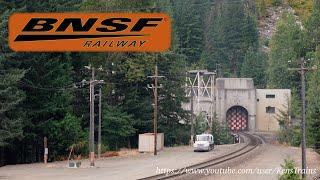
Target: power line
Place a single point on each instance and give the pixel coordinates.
(68, 87)
(73, 86)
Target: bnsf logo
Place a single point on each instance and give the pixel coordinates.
(89, 32)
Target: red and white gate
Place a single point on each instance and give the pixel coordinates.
(237, 118)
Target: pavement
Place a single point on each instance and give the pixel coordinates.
(267, 164)
(131, 167)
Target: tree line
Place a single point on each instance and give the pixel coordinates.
(292, 41)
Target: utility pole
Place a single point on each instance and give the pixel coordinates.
(155, 87)
(192, 118)
(303, 122)
(155, 112)
(92, 83)
(91, 135)
(45, 145)
(303, 70)
(99, 128)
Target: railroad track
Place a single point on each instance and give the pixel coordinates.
(253, 143)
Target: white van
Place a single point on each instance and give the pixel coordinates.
(204, 142)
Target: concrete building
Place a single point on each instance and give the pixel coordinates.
(270, 102)
(237, 102)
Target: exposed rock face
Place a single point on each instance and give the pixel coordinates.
(267, 25)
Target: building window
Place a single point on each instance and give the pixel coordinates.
(270, 110)
(270, 96)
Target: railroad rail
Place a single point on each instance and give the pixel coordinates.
(253, 143)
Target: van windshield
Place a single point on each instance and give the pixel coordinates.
(202, 138)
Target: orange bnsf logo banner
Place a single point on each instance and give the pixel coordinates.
(96, 32)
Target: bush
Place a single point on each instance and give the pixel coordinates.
(289, 171)
(266, 42)
(201, 124)
(62, 134)
(288, 133)
(290, 136)
(221, 133)
(276, 2)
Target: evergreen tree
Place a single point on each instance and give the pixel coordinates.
(313, 27)
(289, 168)
(129, 86)
(7, 5)
(118, 5)
(131, 94)
(11, 96)
(171, 97)
(233, 32)
(51, 6)
(189, 23)
(49, 94)
(313, 110)
(117, 127)
(254, 66)
(288, 133)
(48, 88)
(285, 47)
(62, 134)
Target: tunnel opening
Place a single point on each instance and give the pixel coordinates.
(237, 118)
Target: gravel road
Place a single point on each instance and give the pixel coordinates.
(131, 167)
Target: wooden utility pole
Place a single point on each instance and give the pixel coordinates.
(92, 83)
(45, 146)
(91, 135)
(155, 111)
(303, 122)
(155, 87)
(99, 128)
(303, 70)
